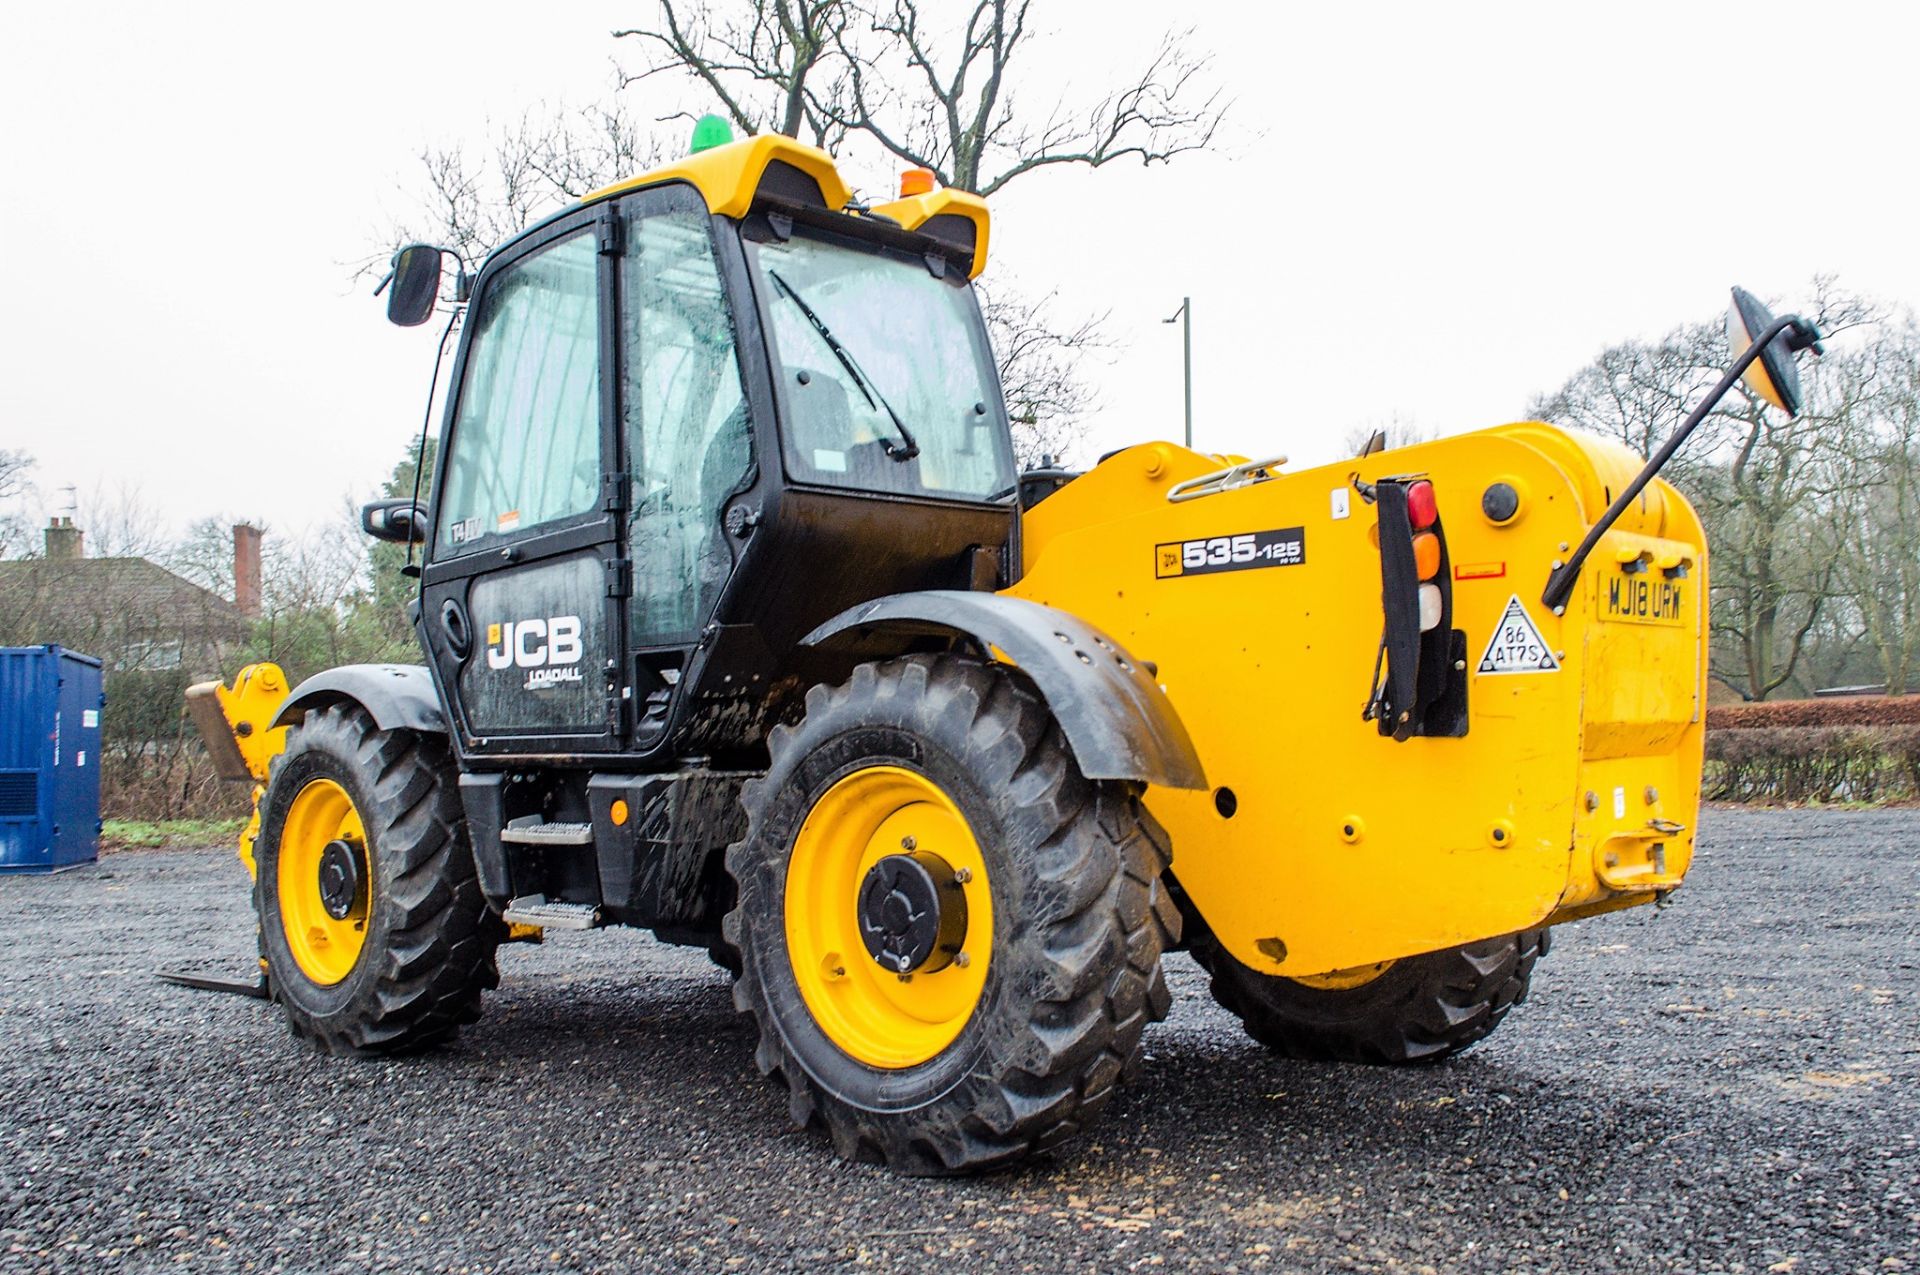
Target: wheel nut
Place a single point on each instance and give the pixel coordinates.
(908, 843)
(962, 960)
(963, 875)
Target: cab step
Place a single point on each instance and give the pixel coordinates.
(537, 909)
(535, 832)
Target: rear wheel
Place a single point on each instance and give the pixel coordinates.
(376, 937)
(1416, 1009)
(949, 938)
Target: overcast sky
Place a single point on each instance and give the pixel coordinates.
(1421, 213)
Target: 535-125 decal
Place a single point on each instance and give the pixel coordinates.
(1246, 551)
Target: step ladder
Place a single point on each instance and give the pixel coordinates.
(551, 914)
(535, 831)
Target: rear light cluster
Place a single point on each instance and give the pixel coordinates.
(1423, 515)
(1420, 682)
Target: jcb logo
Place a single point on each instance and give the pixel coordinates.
(545, 646)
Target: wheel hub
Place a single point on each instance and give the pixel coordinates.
(913, 913)
(342, 869)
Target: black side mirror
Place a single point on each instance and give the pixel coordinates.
(414, 285)
(1773, 376)
(397, 520)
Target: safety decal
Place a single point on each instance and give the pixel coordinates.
(1516, 645)
(1283, 547)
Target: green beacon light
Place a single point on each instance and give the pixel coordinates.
(710, 131)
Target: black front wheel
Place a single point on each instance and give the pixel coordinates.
(376, 936)
(949, 938)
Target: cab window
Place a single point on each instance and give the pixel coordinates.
(686, 427)
(872, 349)
(525, 448)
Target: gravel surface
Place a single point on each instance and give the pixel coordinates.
(1725, 1086)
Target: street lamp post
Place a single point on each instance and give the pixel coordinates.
(1185, 315)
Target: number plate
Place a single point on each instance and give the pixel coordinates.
(1283, 547)
(1636, 599)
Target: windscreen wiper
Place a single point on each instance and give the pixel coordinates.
(904, 450)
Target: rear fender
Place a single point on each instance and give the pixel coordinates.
(1117, 720)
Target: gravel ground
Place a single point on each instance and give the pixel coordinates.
(1725, 1086)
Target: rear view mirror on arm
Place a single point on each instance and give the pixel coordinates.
(413, 284)
(397, 520)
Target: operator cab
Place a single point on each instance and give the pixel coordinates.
(693, 418)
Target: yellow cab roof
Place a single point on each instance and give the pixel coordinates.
(733, 178)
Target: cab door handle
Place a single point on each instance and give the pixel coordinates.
(453, 623)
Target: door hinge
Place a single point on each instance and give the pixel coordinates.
(612, 227)
(617, 699)
(619, 577)
(613, 493)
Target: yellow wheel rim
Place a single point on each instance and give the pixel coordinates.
(1343, 980)
(325, 947)
(876, 1015)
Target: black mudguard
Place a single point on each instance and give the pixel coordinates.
(1116, 718)
(396, 696)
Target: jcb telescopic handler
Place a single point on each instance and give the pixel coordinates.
(738, 624)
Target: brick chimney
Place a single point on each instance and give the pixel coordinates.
(246, 568)
(64, 542)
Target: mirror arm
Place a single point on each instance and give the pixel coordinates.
(1560, 583)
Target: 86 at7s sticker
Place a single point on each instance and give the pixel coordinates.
(1248, 550)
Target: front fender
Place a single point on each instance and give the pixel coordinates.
(1117, 720)
(397, 696)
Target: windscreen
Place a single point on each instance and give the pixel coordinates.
(886, 379)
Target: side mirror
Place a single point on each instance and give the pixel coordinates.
(397, 520)
(414, 285)
(1773, 376)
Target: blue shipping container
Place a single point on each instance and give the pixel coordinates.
(50, 702)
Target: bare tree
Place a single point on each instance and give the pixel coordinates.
(1039, 355)
(473, 199)
(16, 530)
(1878, 527)
(769, 64)
(1763, 483)
(945, 100)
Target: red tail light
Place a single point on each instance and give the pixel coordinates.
(1422, 508)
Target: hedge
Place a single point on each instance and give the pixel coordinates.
(1813, 763)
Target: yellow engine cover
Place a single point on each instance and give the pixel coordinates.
(1324, 845)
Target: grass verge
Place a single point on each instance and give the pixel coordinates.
(168, 834)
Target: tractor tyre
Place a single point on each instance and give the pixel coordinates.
(949, 938)
(1418, 1009)
(376, 936)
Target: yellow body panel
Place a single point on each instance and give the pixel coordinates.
(727, 176)
(914, 211)
(236, 723)
(1344, 848)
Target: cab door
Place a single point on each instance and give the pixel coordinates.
(524, 581)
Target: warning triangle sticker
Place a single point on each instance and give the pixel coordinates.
(1516, 645)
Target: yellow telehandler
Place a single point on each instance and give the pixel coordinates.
(738, 623)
